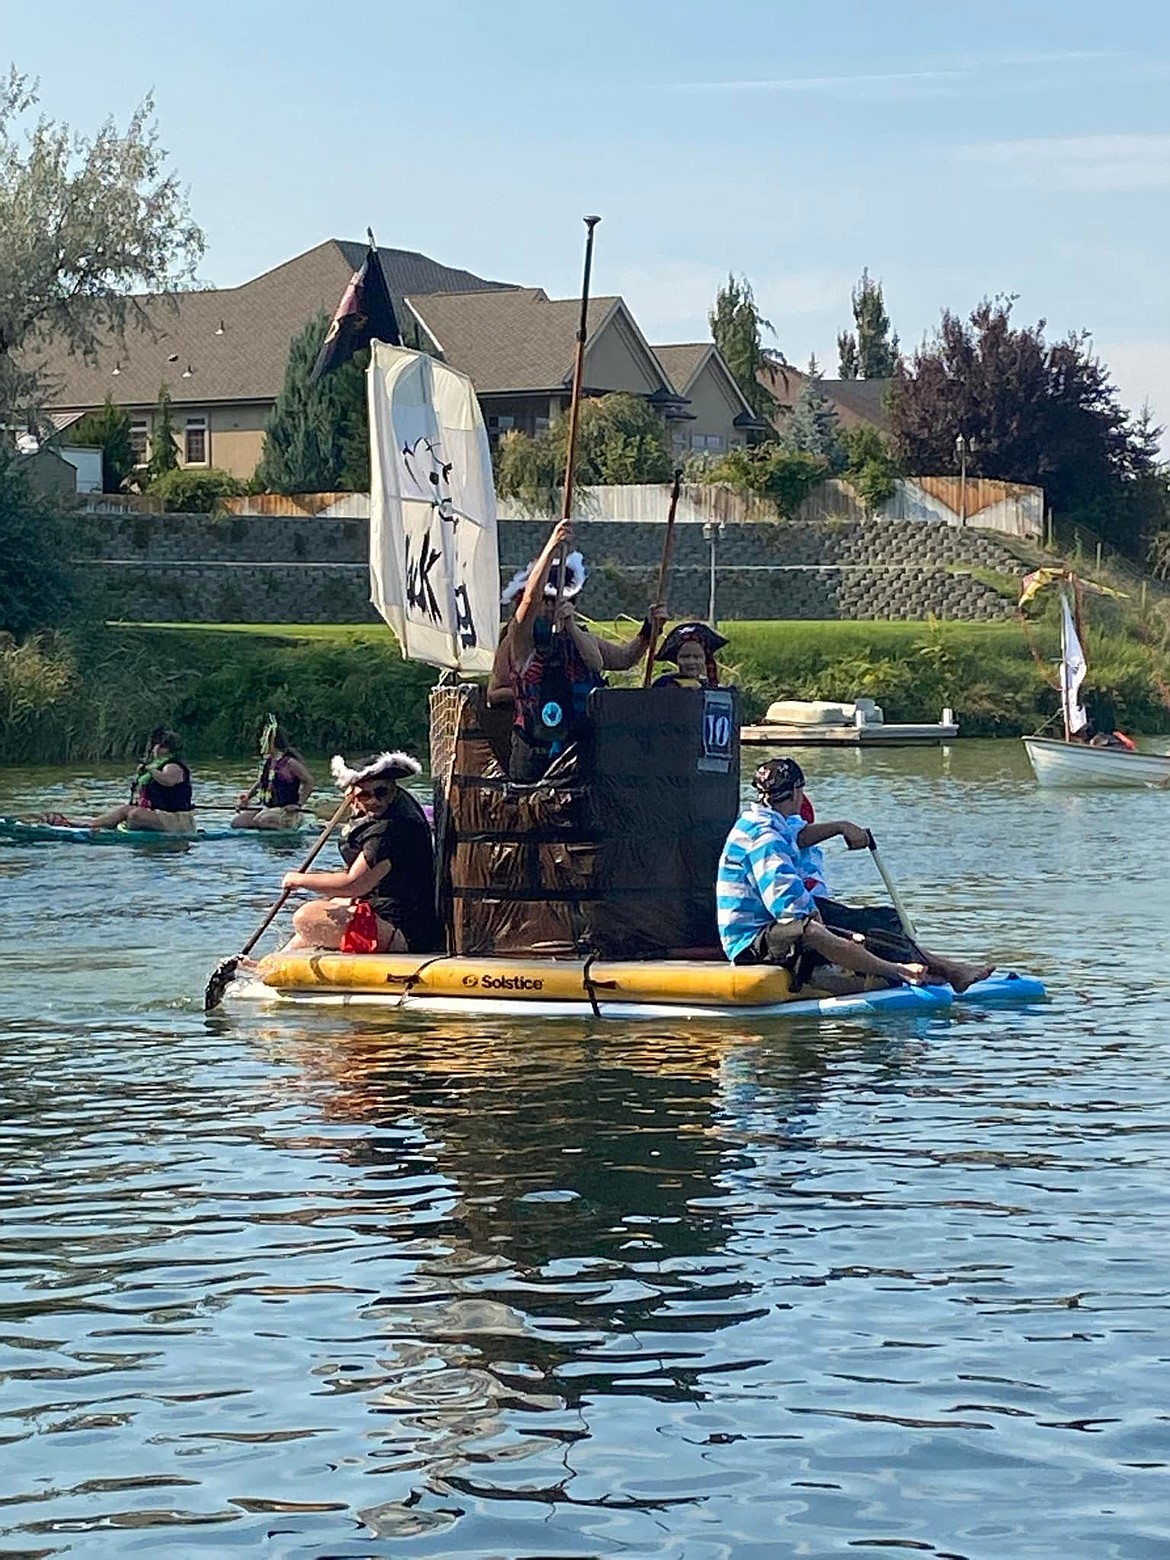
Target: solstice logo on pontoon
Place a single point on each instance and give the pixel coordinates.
(504, 982)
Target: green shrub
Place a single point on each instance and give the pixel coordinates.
(787, 477)
(194, 489)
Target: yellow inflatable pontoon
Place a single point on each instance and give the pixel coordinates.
(663, 988)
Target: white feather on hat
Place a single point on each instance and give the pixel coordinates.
(387, 766)
(575, 577)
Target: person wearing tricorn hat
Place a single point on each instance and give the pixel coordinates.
(548, 661)
(692, 647)
(384, 900)
(773, 905)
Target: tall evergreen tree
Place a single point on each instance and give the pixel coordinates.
(164, 444)
(813, 427)
(871, 353)
(736, 324)
(108, 430)
(313, 427)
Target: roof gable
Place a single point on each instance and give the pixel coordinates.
(522, 341)
(229, 343)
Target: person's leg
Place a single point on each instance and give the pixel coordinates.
(277, 818)
(322, 923)
(853, 955)
(111, 819)
(246, 818)
(157, 821)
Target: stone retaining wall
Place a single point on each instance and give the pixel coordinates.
(265, 569)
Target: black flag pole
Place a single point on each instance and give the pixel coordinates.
(575, 399)
(365, 314)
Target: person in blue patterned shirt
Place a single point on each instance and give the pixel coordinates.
(773, 902)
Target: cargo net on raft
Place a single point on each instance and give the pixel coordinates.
(613, 853)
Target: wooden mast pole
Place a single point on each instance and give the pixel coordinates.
(575, 398)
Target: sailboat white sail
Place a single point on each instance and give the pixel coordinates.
(1071, 760)
(1073, 670)
(434, 561)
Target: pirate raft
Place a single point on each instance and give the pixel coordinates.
(592, 891)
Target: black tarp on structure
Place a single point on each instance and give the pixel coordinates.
(614, 852)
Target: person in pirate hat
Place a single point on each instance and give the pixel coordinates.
(547, 661)
(773, 903)
(384, 900)
(692, 647)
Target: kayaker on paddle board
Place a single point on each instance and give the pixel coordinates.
(160, 794)
(384, 899)
(773, 904)
(282, 788)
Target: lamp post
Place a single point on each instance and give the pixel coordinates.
(712, 529)
(963, 448)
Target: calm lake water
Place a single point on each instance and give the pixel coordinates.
(308, 1285)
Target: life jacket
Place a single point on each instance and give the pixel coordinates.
(279, 787)
(145, 790)
(552, 689)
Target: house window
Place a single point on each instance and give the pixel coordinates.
(540, 424)
(195, 442)
(139, 434)
(706, 441)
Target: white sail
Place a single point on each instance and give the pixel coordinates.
(434, 561)
(1073, 669)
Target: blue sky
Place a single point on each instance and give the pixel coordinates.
(956, 151)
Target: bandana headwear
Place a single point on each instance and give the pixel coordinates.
(387, 766)
(777, 779)
(575, 577)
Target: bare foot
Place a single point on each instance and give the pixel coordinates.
(963, 975)
(58, 820)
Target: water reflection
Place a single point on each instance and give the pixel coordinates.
(311, 1286)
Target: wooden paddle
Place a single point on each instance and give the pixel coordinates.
(663, 574)
(895, 897)
(224, 972)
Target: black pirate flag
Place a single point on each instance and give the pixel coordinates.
(365, 314)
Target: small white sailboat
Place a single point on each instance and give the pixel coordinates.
(1071, 760)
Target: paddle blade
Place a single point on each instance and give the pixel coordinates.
(221, 978)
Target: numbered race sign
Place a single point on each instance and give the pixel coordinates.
(718, 731)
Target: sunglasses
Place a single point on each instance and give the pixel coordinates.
(374, 793)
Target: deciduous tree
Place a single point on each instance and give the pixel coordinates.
(84, 223)
(1039, 412)
(34, 581)
(620, 438)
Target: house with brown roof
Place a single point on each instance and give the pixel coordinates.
(720, 417)
(221, 351)
(518, 348)
(857, 401)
